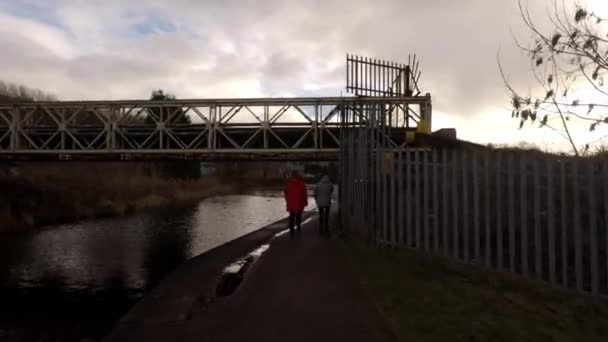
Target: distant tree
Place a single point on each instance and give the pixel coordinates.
(175, 114)
(160, 95)
(570, 58)
(13, 90)
(10, 92)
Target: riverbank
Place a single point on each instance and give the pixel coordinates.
(188, 290)
(40, 194)
(300, 289)
(429, 299)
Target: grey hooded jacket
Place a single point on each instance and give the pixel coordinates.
(323, 192)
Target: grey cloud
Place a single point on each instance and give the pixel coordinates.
(282, 46)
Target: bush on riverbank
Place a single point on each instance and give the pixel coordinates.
(35, 194)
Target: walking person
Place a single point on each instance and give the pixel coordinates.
(323, 191)
(296, 200)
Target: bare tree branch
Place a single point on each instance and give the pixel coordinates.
(572, 53)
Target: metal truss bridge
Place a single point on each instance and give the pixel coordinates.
(216, 129)
(271, 128)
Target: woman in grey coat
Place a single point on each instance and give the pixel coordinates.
(323, 192)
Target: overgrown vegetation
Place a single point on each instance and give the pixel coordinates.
(429, 299)
(35, 194)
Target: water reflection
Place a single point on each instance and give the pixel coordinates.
(222, 219)
(132, 252)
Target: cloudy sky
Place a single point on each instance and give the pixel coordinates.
(118, 49)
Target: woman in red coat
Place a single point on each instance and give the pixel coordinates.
(296, 199)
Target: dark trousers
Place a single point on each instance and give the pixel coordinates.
(324, 220)
(295, 219)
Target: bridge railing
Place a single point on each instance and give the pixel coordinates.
(184, 127)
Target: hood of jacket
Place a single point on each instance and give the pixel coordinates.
(325, 179)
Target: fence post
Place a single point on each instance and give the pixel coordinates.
(564, 222)
(476, 217)
(511, 213)
(435, 203)
(465, 205)
(400, 207)
(409, 197)
(341, 167)
(551, 219)
(578, 255)
(393, 203)
(498, 208)
(487, 204)
(455, 206)
(538, 245)
(523, 213)
(362, 154)
(417, 198)
(425, 200)
(591, 188)
(444, 207)
(353, 171)
(378, 157)
(351, 167)
(384, 175)
(605, 225)
(372, 168)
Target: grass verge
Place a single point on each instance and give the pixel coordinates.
(429, 299)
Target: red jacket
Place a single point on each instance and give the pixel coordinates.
(295, 194)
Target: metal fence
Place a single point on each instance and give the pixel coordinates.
(536, 215)
(374, 77)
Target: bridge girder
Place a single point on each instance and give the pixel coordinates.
(262, 128)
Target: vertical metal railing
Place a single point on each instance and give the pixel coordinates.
(540, 216)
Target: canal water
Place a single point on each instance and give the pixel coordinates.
(72, 282)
